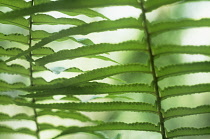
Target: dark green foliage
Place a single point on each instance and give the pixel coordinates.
(153, 82)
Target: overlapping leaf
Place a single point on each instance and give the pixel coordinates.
(86, 29)
(112, 126)
(67, 4)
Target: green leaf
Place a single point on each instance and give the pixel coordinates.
(97, 106)
(20, 22)
(46, 126)
(184, 111)
(95, 89)
(176, 49)
(66, 114)
(14, 38)
(188, 131)
(43, 51)
(112, 126)
(97, 74)
(13, 69)
(65, 5)
(9, 51)
(20, 116)
(157, 28)
(184, 90)
(14, 4)
(102, 58)
(5, 100)
(187, 68)
(8, 130)
(87, 12)
(40, 19)
(91, 50)
(86, 29)
(4, 86)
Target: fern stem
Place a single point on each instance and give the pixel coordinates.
(152, 64)
(31, 72)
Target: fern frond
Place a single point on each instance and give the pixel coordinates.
(84, 11)
(8, 130)
(188, 131)
(187, 68)
(46, 126)
(5, 100)
(14, 4)
(96, 89)
(67, 4)
(15, 38)
(20, 116)
(66, 114)
(157, 28)
(40, 19)
(97, 74)
(4, 86)
(9, 52)
(184, 111)
(13, 69)
(20, 22)
(100, 106)
(176, 49)
(184, 90)
(91, 50)
(85, 29)
(112, 126)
